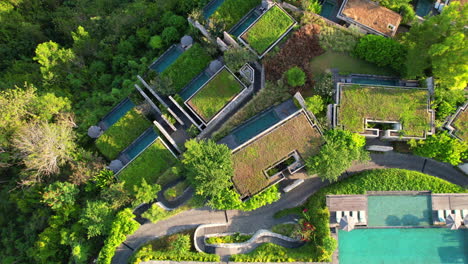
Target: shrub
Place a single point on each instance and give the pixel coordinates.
(315, 104)
(441, 147)
(180, 244)
(407, 13)
(170, 35)
(156, 42)
(324, 85)
(338, 39)
(295, 76)
(122, 226)
(381, 51)
(235, 58)
(313, 6)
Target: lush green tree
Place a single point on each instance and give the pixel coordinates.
(116, 195)
(209, 166)
(156, 42)
(145, 193)
(441, 147)
(96, 218)
(170, 35)
(315, 104)
(342, 148)
(403, 7)
(104, 178)
(60, 195)
(235, 58)
(447, 101)
(312, 6)
(324, 85)
(381, 51)
(164, 84)
(438, 44)
(295, 76)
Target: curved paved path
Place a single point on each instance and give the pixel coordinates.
(262, 218)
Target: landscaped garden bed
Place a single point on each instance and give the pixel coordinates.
(407, 106)
(177, 190)
(251, 160)
(122, 133)
(187, 66)
(235, 238)
(268, 29)
(149, 165)
(216, 94)
(461, 125)
(291, 230)
(176, 247)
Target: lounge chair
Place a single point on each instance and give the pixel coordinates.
(339, 214)
(440, 215)
(346, 213)
(458, 214)
(447, 213)
(464, 213)
(362, 216)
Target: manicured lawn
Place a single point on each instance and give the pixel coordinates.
(408, 106)
(149, 165)
(272, 24)
(208, 101)
(290, 230)
(461, 124)
(231, 11)
(187, 66)
(251, 160)
(345, 63)
(122, 133)
(175, 191)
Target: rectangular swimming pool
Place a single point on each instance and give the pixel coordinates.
(403, 245)
(399, 210)
(166, 59)
(115, 114)
(256, 126)
(374, 81)
(211, 7)
(239, 28)
(148, 137)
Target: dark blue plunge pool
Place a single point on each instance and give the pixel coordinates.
(143, 141)
(116, 113)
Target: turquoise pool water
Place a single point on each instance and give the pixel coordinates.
(255, 126)
(374, 81)
(399, 210)
(327, 10)
(194, 86)
(403, 245)
(238, 29)
(166, 59)
(116, 113)
(141, 143)
(211, 7)
(423, 7)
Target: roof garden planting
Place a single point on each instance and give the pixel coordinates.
(122, 133)
(215, 94)
(187, 66)
(459, 124)
(252, 160)
(409, 107)
(268, 29)
(149, 165)
(231, 11)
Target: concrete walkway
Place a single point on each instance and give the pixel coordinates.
(262, 218)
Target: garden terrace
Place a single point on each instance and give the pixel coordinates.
(148, 165)
(370, 16)
(252, 160)
(406, 109)
(187, 66)
(229, 12)
(215, 94)
(268, 30)
(458, 124)
(122, 133)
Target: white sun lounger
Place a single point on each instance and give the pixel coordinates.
(362, 216)
(447, 213)
(458, 214)
(440, 215)
(346, 213)
(464, 213)
(339, 214)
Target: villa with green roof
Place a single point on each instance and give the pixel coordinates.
(458, 123)
(389, 112)
(263, 152)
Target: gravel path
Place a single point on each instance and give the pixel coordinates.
(262, 218)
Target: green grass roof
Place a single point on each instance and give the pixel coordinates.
(268, 29)
(209, 100)
(407, 106)
(149, 165)
(251, 160)
(122, 133)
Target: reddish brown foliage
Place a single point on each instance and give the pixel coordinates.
(299, 50)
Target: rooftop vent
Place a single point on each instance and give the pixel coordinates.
(391, 27)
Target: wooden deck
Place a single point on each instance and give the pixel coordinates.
(347, 203)
(447, 201)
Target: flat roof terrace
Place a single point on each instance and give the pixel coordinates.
(359, 107)
(253, 159)
(371, 16)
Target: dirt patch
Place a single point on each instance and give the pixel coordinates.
(298, 50)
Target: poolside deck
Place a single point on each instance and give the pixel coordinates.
(346, 203)
(448, 201)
